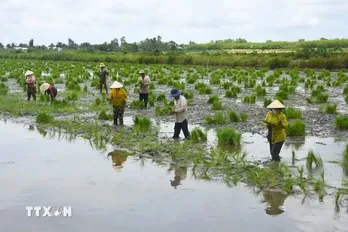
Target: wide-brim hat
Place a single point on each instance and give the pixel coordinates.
(174, 93)
(116, 85)
(101, 65)
(276, 105)
(44, 87)
(141, 72)
(28, 72)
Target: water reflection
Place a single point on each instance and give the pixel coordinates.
(180, 174)
(118, 157)
(275, 200)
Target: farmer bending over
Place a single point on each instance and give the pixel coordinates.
(31, 84)
(50, 90)
(144, 82)
(276, 123)
(180, 111)
(102, 78)
(118, 97)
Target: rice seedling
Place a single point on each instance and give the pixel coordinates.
(292, 113)
(322, 98)
(44, 118)
(244, 117)
(345, 161)
(197, 135)
(233, 116)
(104, 116)
(218, 118)
(3, 89)
(136, 104)
(212, 99)
(217, 105)
(282, 94)
(249, 99)
(297, 128)
(230, 94)
(331, 109)
(163, 110)
(85, 89)
(142, 124)
(161, 97)
(228, 137)
(188, 94)
(342, 122)
(345, 90)
(4, 79)
(73, 96)
(260, 92)
(313, 159)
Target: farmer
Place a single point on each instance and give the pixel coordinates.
(31, 84)
(276, 123)
(118, 98)
(50, 90)
(144, 83)
(102, 77)
(180, 111)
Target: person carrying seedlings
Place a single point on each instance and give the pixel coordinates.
(180, 112)
(102, 77)
(50, 90)
(144, 83)
(31, 84)
(276, 124)
(118, 98)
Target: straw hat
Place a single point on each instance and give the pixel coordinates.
(28, 72)
(101, 65)
(141, 72)
(276, 105)
(116, 85)
(44, 87)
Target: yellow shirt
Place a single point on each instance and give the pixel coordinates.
(280, 124)
(118, 97)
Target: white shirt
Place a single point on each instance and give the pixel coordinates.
(180, 109)
(146, 82)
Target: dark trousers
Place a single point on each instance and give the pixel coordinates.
(31, 92)
(144, 97)
(118, 114)
(181, 126)
(275, 150)
(101, 84)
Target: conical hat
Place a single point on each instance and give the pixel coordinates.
(276, 105)
(101, 65)
(44, 87)
(116, 85)
(27, 73)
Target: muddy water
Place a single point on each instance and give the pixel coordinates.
(139, 196)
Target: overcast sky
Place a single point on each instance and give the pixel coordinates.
(97, 21)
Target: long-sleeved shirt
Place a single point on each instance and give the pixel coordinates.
(180, 109)
(31, 81)
(118, 97)
(144, 84)
(279, 125)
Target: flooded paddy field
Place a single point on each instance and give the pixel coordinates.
(130, 178)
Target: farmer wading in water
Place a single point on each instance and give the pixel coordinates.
(31, 85)
(180, 112)
(144, 83)
(50, 90)
(118, 98)
(102, 77)
(276, 123)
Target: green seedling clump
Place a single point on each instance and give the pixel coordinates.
(104, 116)
(218, 118)
(44, 118)
(188, 95)
(217, 105)
(297, 128)
(342, 122)
(244, 117)
(331, 109)
(161, 97)
(136, 104)
(142, 124)
(313, 159)
(230, 94)
(228, 137)
(260, 92)
(212, 99)
(266, 102)
(233, 116)
(249, 99)
(292, 113)
(3, 89)
(163, 111)
(197, 135)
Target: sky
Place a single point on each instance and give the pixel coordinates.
(97, 21)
